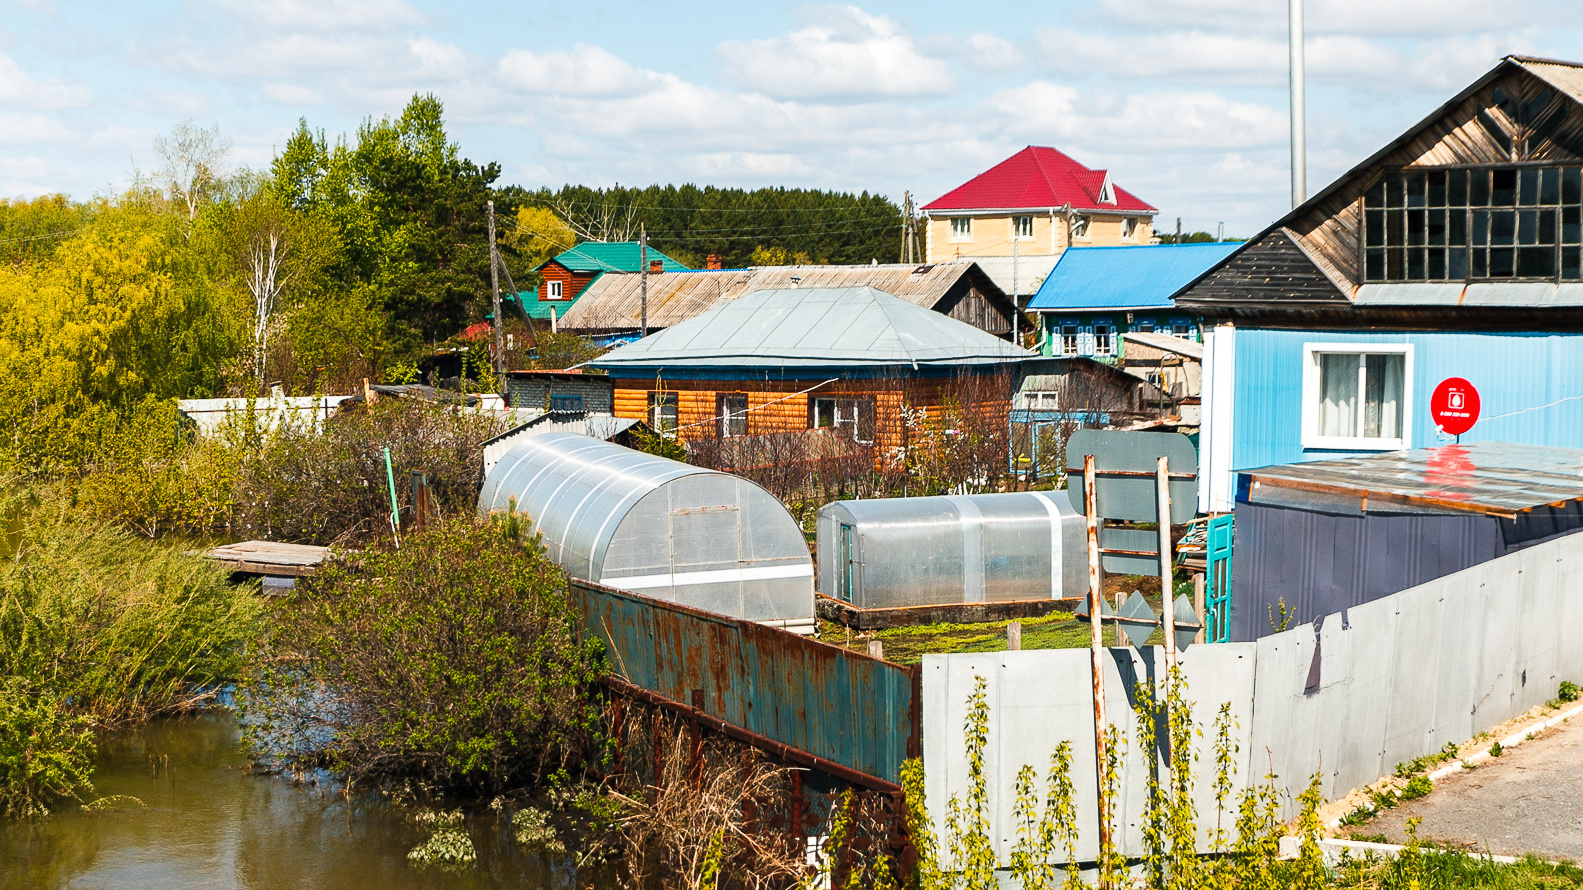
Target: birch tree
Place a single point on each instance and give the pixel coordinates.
(191, 164)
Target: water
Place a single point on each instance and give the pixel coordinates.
(211, 824)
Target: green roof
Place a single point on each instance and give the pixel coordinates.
(612, 256)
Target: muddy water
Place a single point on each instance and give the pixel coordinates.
(210, 824)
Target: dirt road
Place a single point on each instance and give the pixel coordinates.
(1528, 800)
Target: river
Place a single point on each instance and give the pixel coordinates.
(211, 824)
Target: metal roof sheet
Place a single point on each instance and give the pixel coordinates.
(815, 327)
(1496, 478)
(1144, 277)
(1166, 343)
(614, 301)
(1037, 177)
(611, 256)
(1515, 294)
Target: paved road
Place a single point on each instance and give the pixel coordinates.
(1529, 800)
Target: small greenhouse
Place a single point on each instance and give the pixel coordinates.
(891, 552)
(656, 527)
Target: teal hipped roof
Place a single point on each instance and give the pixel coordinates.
(612, 256)
(815, 327)
(1126, 277)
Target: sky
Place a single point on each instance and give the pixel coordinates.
(1184, 101)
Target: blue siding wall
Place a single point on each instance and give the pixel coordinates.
(1512, 372)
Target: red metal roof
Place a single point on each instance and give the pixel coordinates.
(1036, 177)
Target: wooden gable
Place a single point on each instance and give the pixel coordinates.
(1524, 111)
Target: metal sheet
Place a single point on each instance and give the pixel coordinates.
(1133, 498)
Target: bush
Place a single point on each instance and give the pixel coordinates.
(453, 661)
(45, 753)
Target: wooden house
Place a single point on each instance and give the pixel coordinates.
(1032, 206)
(609, 309)
(851, 361)
(569, 273)
(1456, 251)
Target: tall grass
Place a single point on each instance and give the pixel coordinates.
(99, 630)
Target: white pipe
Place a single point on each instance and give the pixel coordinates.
(1299, 138)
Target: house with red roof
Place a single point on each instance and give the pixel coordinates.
(1033, 206)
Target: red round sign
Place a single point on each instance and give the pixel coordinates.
(1454, 406)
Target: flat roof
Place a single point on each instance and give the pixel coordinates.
(1499, 479)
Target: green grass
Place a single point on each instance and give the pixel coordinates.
(1452, 870)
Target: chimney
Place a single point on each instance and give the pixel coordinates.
(656, 267)
(712, 261)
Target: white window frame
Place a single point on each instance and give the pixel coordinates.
(1129, 228)
(961, 228)
(1080, 226)
(1076, 333)
(1310, 435)
(1110, 338)
(552, 290)
(1022, 228)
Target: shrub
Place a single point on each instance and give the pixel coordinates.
(1417, 787)
(45, 752)
(453, 661)
(1568, 691)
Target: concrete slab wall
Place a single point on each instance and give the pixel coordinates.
(1397, 678)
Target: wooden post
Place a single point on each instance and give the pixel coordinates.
(494, 288)
(1162, 486)
(1198, 602)
(1014, 636)
(643, 280)
(1096, 602)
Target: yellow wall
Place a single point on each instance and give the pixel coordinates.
(991, 236)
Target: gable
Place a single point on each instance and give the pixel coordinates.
(1274, 268)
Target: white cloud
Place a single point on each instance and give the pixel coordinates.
(584, 71)
(986, 52)
(1211, 57)
(1370, 18)
(31, 129)
(1176, 121)
(18, 90)
(847, 54)
(437, 59)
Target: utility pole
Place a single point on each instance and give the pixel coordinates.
(909, 230)
(1016, 307)
(1220, 231)
(494, 287)
(643, 280)
(1299, 137)
(1178, 231)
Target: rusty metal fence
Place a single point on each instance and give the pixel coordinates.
(841, 712)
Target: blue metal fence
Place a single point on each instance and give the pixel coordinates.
(825, 701)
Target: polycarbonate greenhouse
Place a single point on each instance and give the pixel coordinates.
(890, 552)
(653, 526)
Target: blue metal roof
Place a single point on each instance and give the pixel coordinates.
(1126, 277)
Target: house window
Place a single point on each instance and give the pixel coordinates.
(732, 409)
(961, 228)
(1104, 340)
(1022, 228)
(1129, 228)
(854, 416)
(566, 403)
(662, 413)
(1069, 339)
(1042, 401)
(552, 290)
(1145, 325)
(1182, 329)
(1079, 228)
(1357, 396)
(1473, 224)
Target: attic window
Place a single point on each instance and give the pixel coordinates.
(552, 290)
(1475, 224)
(1107, 192)
(961, 228)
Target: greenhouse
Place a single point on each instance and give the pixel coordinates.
(988, 548)
(656, 527)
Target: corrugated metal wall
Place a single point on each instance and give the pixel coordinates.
(1512, 372)
(1318, 563)
(828, 701)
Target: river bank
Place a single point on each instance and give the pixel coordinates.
(207, 821)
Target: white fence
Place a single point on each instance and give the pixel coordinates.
(1397, 678)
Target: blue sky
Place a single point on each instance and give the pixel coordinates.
(1183, 100)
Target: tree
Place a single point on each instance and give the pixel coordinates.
(190, 164)
(538, 235)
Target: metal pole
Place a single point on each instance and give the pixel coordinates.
(643, 279)
(1096, 647)
(1016, 309)
(1162, 486)
(494, 288)
(395, 510)
(1299, 138)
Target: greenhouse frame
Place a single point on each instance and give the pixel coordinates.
(659, 528)
(988, 548)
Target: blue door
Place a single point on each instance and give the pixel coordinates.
(1217, 581)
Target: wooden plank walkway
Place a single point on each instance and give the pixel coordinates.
(270, 558)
